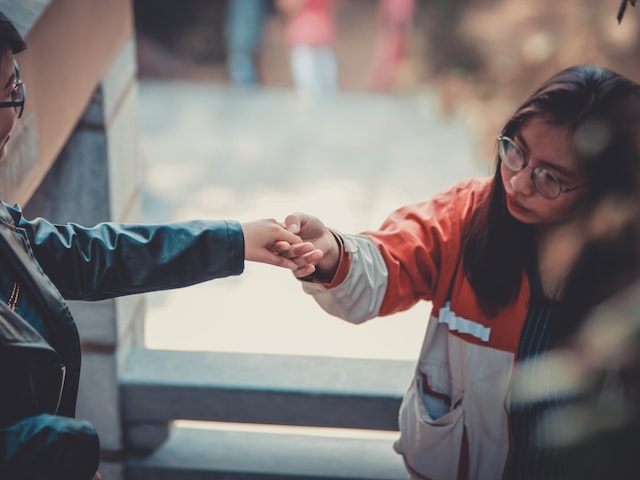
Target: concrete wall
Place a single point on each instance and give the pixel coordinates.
(72, 46)
(97, 178)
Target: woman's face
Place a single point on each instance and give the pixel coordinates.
(8, 116)
(550, 147)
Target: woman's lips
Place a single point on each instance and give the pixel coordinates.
(515, 206)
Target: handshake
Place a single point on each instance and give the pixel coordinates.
(302, 244)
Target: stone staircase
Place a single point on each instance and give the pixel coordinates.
(274, 416)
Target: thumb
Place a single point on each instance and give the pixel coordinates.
(292, 222)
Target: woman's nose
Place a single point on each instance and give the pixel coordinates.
(522, 182)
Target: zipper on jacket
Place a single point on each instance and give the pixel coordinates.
(63, 371)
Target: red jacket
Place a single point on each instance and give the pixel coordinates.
(454, 417)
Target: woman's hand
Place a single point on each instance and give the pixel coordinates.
(265, 241)
(326, 253)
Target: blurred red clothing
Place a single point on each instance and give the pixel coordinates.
(394, 23)
(397, 12)
(311, 22)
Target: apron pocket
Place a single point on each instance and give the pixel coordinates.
(431, 430)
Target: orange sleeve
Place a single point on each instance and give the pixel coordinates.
(421, 245)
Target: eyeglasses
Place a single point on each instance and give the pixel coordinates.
(545, 182)
(18, 94)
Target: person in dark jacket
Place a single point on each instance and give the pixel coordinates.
(42, 264)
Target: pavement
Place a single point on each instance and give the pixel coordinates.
(211, 150)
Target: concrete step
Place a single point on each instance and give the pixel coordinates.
(161, 386)
(221, 454)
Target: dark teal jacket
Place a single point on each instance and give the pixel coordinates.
(57, 262)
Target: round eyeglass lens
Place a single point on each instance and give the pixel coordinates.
(510, 154)
(546, 183)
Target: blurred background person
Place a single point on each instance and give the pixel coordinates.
(391, 52)
(243, 29)
(310, 35)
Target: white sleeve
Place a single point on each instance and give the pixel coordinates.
(359, 297)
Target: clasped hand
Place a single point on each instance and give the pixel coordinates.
(302, 244)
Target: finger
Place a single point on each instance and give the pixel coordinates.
(301, 249)
(292, 223)
(279, 261)
(304, 271)
(292, 238)
(310, 258)
(297, 250)
(286, 236)
(281, 246)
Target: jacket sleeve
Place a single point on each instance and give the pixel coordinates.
(389, 270)
(417, 243)
(48, 446)
(110, 260)
(358, 288)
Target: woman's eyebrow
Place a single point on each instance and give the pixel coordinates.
(521, 139)
(551, 166)
(561, 170)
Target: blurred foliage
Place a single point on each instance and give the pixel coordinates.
(597, 371)
(487, 56)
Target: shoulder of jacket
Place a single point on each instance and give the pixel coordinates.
(472, 186)
(463, 197)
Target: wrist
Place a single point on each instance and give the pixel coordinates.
(326, 268)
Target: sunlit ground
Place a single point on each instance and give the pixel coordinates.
(211, 151)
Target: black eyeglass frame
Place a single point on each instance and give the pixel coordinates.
(535, 171)
(18, 105)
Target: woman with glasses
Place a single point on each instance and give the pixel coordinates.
(492, 255)
(42, 264)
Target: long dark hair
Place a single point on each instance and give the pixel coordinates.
(10, 38)
(499, 248)
(606, 274)
(608, 147)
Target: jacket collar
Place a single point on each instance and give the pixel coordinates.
(18, 251)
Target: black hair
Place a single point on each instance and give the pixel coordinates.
(10, 38)
(499, 248)
(606, 274)
(608, 146)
